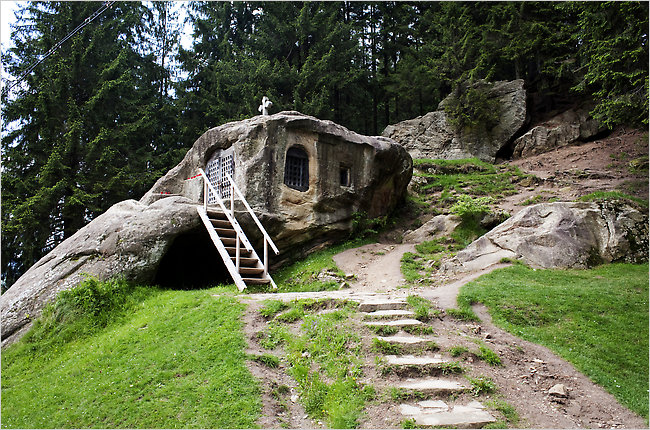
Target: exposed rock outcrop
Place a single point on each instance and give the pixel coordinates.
(564, 129)
(432, 135)
(344, 173)
(562, 235)
(438, 226)
(128, 240)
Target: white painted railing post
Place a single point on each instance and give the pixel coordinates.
(205, 193)
(266, 257)
(237, 253)
(232, 201)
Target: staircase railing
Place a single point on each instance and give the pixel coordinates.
(230, 214)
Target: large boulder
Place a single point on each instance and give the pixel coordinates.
(433, 136)
(567, 128)
(128, 240)
(562, 235)
(161, 239)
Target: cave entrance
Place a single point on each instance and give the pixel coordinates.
(192, 262)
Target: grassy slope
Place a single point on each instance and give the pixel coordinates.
(596, 319)
(175, 360)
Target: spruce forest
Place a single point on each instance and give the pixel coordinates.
(119, 103)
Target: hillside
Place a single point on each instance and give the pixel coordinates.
(174, 358)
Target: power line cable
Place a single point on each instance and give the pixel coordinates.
(53, 49)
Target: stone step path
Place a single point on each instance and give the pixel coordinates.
(395, 323)
(434, 386)
(406, 341)
(438, 413)
(426, 413)
(389, 314)
(412, 360)
(382, 305)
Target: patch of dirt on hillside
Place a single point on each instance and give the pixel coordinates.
(617, 162)
(280, 405)
(376, 266)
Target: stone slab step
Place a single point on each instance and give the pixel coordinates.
(379, 305)
(405, 340)
(388, 314)
(412, 360)
(433, 385)
(437, 413)
(396, 323)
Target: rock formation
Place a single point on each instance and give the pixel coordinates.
(432, 136)
(562, 235)
(161, 239)
(564, 129)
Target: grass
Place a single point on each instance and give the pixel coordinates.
(424, 310)
(468, 176)
(386, 347)
(482, 385)
(159, 359)
(614, 195)
(489, 356)
(596, 319)
(457, 351)
(302, 275)
(323, 359)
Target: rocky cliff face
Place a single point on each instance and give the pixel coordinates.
(432, 135)
(347, 173)
(568, 128)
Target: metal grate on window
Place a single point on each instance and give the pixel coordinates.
(221, 163)
(296, 169)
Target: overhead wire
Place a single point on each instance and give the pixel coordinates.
(57, 45)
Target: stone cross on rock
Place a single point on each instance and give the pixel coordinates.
(266, 104)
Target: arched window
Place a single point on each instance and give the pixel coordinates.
(296, 169)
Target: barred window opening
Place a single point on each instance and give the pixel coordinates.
(296, 169)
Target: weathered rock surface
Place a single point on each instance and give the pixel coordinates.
(567, 128)
(128, 240)
(438, 226)
(432, 136)
(562, 235)
(136, 239)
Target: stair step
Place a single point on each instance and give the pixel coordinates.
(229, 241)
(378, 305)
(438, 414)
(388, 314)
(433, 386)
(212, 214)
(221, 223)
(405, 340)
(226, 232)
(243, 252)
(412, 360)
(257, 281)
(395, 323)
(246, 261)
(251, 270)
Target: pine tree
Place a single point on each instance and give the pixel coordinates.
(82, 125)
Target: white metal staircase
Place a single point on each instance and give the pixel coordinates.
(242, 262)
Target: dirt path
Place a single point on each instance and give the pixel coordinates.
(524, 380)
(376, 266)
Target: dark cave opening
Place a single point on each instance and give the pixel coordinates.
(192, 262)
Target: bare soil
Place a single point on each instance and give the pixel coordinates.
(528, 370)
(571, 172)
